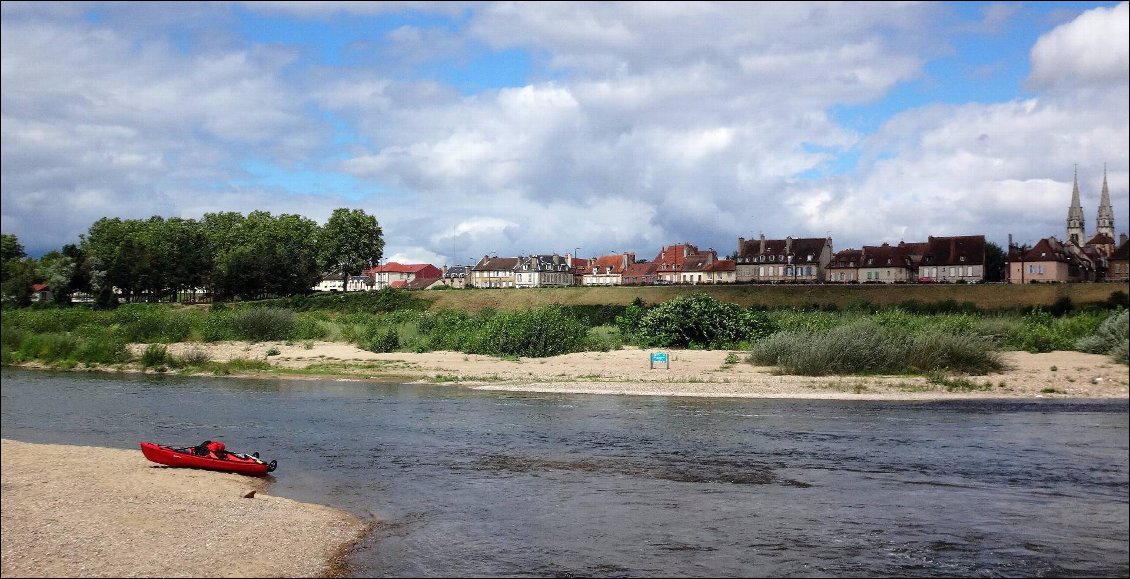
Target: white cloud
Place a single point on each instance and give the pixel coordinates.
(642, 124)
(1092, 51)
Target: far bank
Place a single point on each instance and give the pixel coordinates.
(984, 296)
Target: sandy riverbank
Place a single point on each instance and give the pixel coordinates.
(691, 373)
(72, 511)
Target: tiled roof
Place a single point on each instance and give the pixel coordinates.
(640, 270)
(846, 258)
(496, 264)
(1101, 239)
(420, 282)
(697, 262)
(394, 267)
(672, 257)
(1051, 249)
(457, 271)
(959, 250)
(885, 256)
(604, 262)
(805, 249)
(722, 265)
(1123, 251)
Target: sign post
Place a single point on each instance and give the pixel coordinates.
(660, 358)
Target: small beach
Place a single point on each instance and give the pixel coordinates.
(75, 511)
(706, 373)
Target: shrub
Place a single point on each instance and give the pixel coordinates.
(107, 348)
(194, 357)
(701, 321)
(154, 355)
(937, 351)
(385, 341)
(545, 331)
(867, 347)
(263, 324)
(1112, 337)
(218, 326)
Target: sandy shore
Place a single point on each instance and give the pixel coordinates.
(73, 511)
(691, 373)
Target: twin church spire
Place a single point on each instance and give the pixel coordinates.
(1076, 224)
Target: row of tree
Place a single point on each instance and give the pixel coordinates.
(227, 255)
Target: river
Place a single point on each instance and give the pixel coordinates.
(470, 483)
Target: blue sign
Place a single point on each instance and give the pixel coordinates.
(660, 357)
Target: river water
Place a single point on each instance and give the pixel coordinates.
(468, 483)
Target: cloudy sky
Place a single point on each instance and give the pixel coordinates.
(535, 127)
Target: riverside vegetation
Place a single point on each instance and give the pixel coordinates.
(859, 338)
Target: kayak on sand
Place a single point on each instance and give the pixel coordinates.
(209, 455)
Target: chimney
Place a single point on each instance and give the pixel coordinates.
(788, 245)
(741, 245)
(762, 250)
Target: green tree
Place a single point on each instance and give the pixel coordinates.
(18, 281)
(10, 248)
(349, 242)
(262, 254)
(994, 262)
(56, 270)
(13, 272)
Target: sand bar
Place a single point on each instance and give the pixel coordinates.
(74, 511)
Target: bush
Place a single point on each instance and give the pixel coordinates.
(385, 341)
(264, 324)
(1112, 337)
(867, 347)
(701, 321)
(154, 355)
(193, 357)
(545, 331)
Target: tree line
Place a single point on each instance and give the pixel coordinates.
(227, 255)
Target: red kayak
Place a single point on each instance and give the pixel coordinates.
(210, 456)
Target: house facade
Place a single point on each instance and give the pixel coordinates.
(333, 282)
(694, 268)
(959, 259)
(389, 274)
(801, 260)
(886, 264)
(643, 273)
(543, 271)
(844, 266)
(721, 271)
(608, 269)
(494, 272)
(1051, 261)
(1118, 264)
(455, 276)
(670, 261)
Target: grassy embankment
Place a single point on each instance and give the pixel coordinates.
(805, 330)
(983, 296)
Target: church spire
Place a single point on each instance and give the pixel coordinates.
(1104, 221)
(1075, 221)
